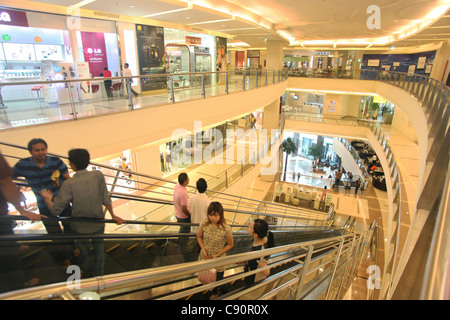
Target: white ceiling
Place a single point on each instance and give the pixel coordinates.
(293, 21)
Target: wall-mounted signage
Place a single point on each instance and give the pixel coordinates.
(321, 53)
(94, 49)
(13, 18)
(198, 49)
(253, 54)
(193, 40)
(150, 43)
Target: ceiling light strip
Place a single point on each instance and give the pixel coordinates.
(211, 21)
(167, 12)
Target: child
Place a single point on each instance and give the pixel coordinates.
(262, 239)
(215, 238)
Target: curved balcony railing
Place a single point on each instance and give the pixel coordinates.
(433, 96)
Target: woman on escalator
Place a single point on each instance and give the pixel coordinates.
(215, 238)
(262, 239)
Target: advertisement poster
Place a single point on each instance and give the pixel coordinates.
(221, 56)
(47, 74)
(150, 44)
(94, 50)
(85, 86)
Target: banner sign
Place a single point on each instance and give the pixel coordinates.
(150, 44)
(94, 50)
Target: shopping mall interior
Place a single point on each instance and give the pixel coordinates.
(328, 120)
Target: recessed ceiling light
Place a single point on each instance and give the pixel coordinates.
(132, 6)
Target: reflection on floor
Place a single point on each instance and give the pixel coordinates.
(19, 113)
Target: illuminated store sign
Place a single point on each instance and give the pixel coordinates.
(321, 53)
(193, 40)
(13, 18)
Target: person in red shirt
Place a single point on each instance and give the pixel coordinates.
(108, 83)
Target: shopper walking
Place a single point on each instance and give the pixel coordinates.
(357, 185)
(127, 73)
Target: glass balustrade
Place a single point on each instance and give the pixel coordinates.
(27, 103)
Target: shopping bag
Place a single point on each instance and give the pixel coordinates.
(207, 276)
(263, 274)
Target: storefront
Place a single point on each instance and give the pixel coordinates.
(39, 46)
(26, 45)
(188, 52)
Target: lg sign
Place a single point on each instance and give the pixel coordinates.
(4, 16)
(13, 18)
(91, 51)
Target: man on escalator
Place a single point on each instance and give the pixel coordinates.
(88, 194)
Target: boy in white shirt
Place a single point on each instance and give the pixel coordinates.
(198, 203)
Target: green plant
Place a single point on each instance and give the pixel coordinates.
(289, 147)
(315, 151)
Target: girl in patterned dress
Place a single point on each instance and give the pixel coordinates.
(215, 238)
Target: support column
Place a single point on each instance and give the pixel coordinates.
(274, 57)
(441, 64)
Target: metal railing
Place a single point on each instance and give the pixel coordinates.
(158, 194)
(434, 97)
(334, 260)
(72, 99)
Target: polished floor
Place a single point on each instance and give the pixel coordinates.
(17, 113)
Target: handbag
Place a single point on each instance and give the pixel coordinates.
(207, 276)
(263, 274)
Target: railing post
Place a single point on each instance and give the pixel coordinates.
(347, 265)
(304, 272)
(243, 79)
(203, 86)
(72, 103)
(336, 263)
(226, 82)
(172, 93)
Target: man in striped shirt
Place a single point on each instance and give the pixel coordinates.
(43, 172)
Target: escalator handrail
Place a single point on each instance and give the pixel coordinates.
(128, 279)
(163, 180)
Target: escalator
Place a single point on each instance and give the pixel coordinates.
(40, 258)
(148, 259)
